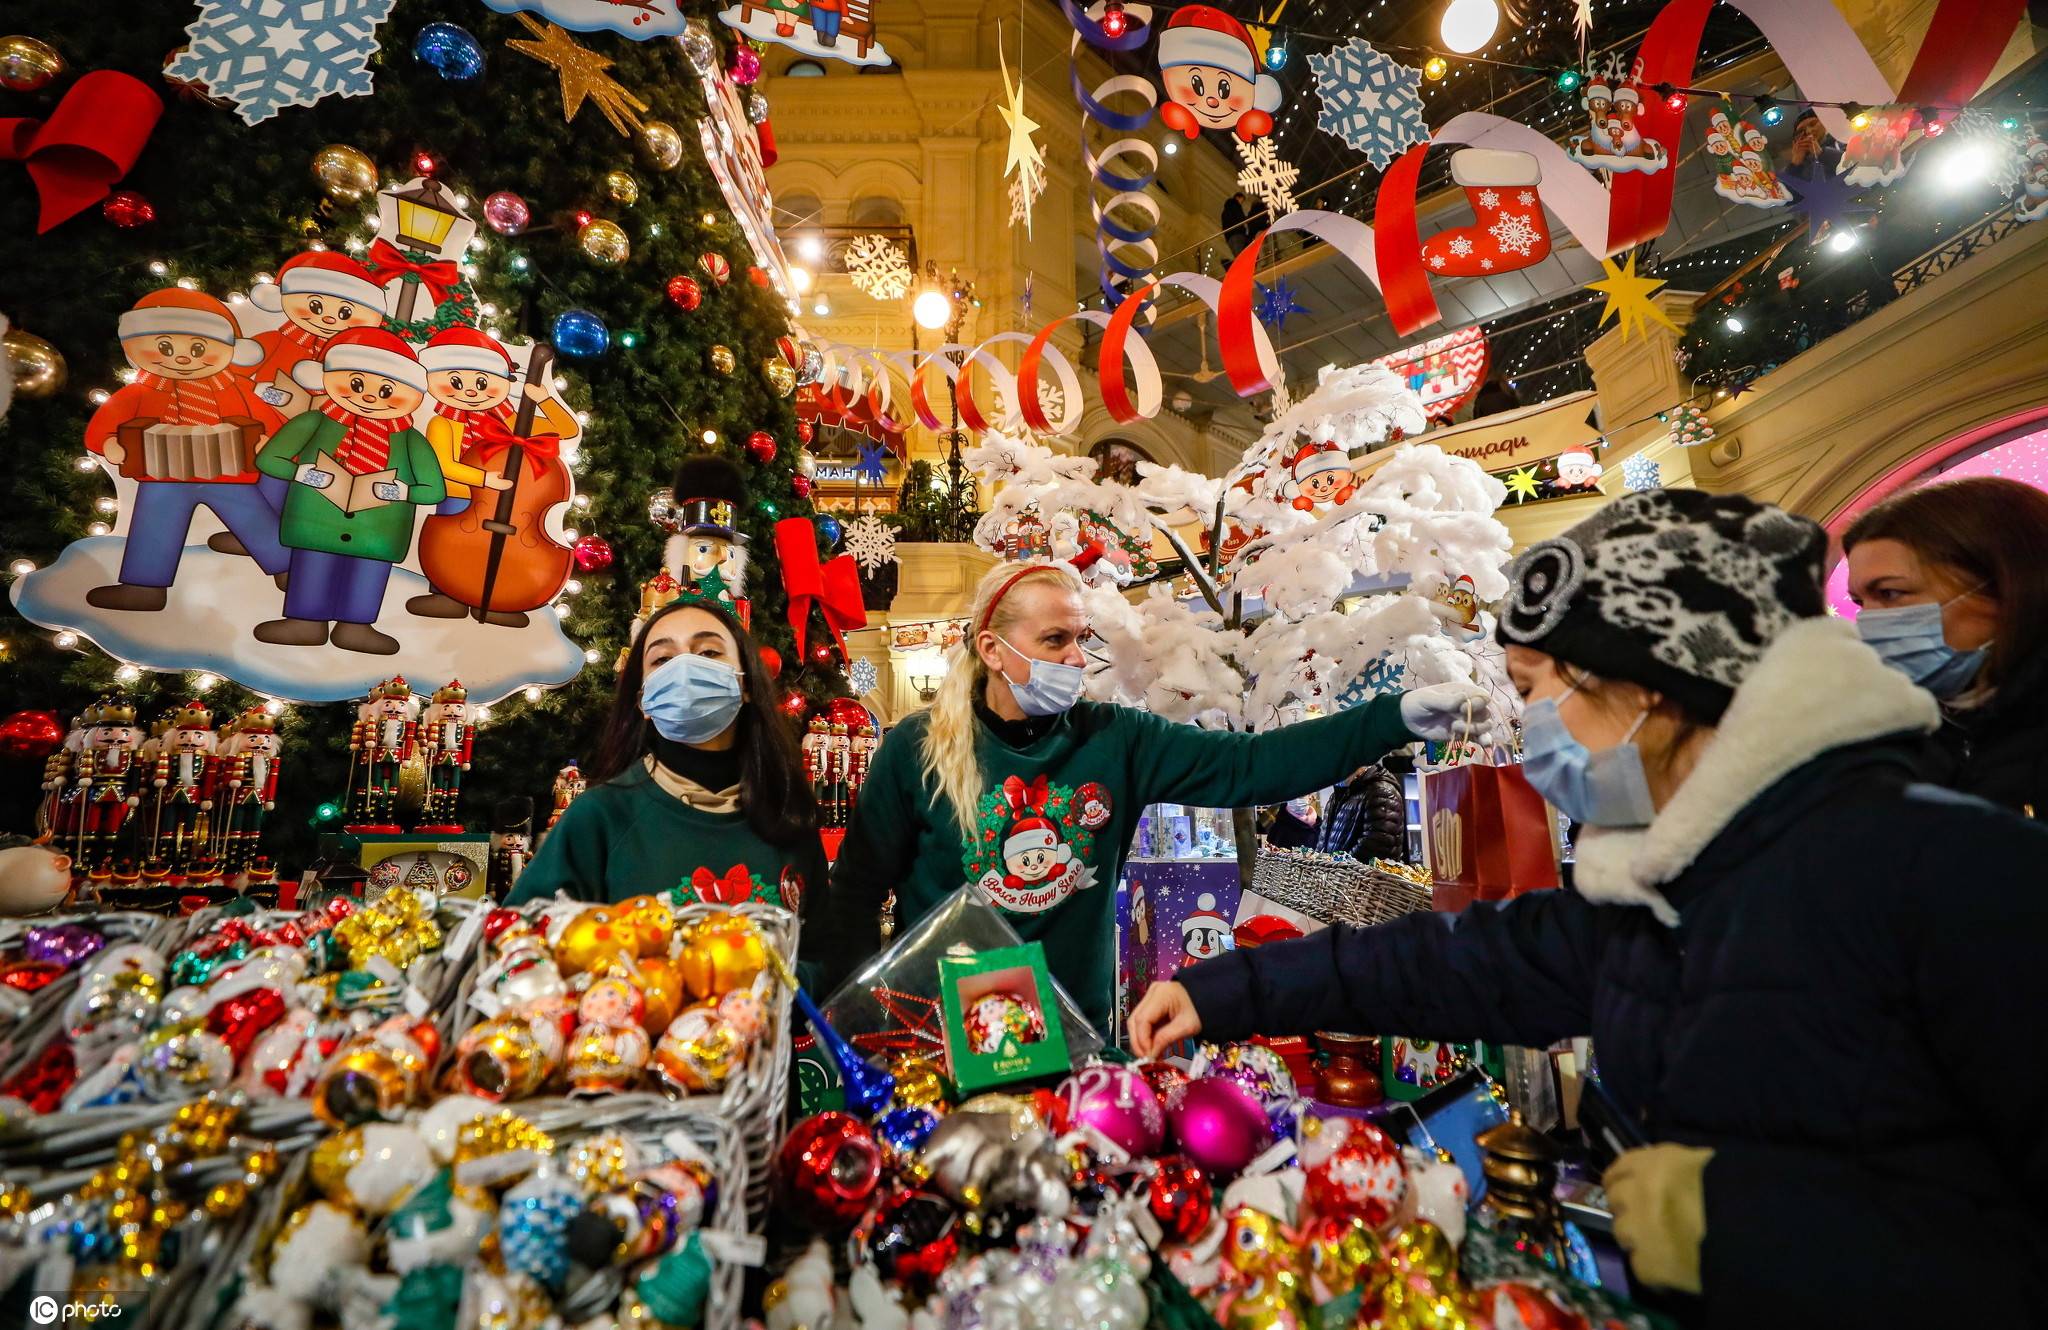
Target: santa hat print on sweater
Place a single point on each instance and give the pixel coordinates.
(1030, 833)
(1202, 35)
(178, 312)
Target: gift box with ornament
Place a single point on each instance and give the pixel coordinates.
(1001, 1025)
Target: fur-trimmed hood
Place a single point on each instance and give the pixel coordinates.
(1816, 688)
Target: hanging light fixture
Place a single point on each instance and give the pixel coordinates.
(932, 309)
(1469, 24)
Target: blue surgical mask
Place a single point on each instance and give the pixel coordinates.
(1909, 638)
(1049, 689)
(691, 698)
(1603, 789)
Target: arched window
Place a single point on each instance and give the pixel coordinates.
(794, 212)
(804, 69)
(876, 210)
(1117, 460)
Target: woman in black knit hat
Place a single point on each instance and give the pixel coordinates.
(1784, 948)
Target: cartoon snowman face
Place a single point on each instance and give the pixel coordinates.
(1032, 864)
(1217, 97)
(1324, 486)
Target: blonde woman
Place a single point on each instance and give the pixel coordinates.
(1012, 783)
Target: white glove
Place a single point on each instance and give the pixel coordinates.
(1447, 711)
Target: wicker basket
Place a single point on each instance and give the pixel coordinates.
(1335, 888)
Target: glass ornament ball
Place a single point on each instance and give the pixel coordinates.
(507, 213)
(580, 334)
(604, 241)
(829, 528)
(716, 266)
(450, 50)
(805, 431)
(685, 293)
(29, 65)
(128, 210)
(623, 189)
(346, 174)
(38, 367)
(779, 375)
(663, 144)
(807, 463)
(746, 64)
(800, 486)
(592, 553)
(722, 359)
(757, 107)
(811, 368)
(701, 48)
(761, 446)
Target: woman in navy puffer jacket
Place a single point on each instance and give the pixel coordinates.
(1821, 987)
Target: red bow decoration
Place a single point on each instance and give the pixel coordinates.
(1021, 796)
(90, 141)
(732, 889)
(490, 438)
(833, 585)
(387, 261)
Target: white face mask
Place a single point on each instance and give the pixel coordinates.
(1049, 688)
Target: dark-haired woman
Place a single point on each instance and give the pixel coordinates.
(1953, 583)
(697, 782)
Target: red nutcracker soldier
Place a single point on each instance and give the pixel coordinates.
(447, 734)
(105, 787)
(59, 769)
(838, 766)
(863, 745)
(249, 779)
(816, 744)
(386, 737)
(186, 779)
(568, 784)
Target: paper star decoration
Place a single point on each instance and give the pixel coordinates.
(1022, 157)
(1826, 201)
(1276, 303)
(1582, 18)
(1522, 483)
(583, 75)
(872, 459)
(1628, 297)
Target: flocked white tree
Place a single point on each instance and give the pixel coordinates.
(1313, 579)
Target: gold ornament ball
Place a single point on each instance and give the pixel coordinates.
(919, 1081)
(226, 1197)
(38, 367)
(663, 143)
(27, 65)
(592, 938)
(604, 241)
(780, 376)
(332, 1159)
(720, 953)
(651, 920)
(345, 173)
(807, 463)
(622, 187)
(661, 985)
(722, 359)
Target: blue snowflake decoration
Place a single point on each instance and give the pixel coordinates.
(1640, 473)
(863, 677)
(265, 55)
(1276, 303)
(873, 456)
(1381, 676)
(1369, 100)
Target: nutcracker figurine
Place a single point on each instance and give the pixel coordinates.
(864, 744)
(185, 778)
(59, 770)
(105, 788)
(838, 758)
(511, 846)
(385, 737)
(248, 786)
(447, 734)
(568, 784)
(817, 742)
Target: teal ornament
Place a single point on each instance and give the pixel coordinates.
(533, 1228)
(195, 967)
(426, 1299)
(579, 334)
(450, 50)
(675, 1288)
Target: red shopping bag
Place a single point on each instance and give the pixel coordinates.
(1486, 834)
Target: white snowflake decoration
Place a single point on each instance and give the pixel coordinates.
(870, 541)
(1267, 178)
(1640, 473)
(265, 55)
(1461, 245)
(1489, 198)
(878, 267)
(862, 677)
(1369, 100)
(1515, 232)
(1526, 198)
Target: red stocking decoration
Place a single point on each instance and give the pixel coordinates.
(1511, 232)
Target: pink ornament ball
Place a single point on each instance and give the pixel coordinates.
(1116, 1102)
(507, 213)
(1219, 1125)
(593, 554)
(746, 64)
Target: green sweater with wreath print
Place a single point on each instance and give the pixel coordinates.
(1057, 818)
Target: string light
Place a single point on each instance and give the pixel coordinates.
(482, 714)
(157, 267)
(273, 707)
(66, 640)
(1115, 23)
(128, 673)
(1435, 68)
(1769, 110)
(710, 436)
(1843, 240)
(21, 567)
(532, 693)
(1733, 324)
(1859, 115)
(1171, 148)
(205, 683)
(591, 656)
(98, 529)
(519, 263)
(88, 462)
(1568, 80)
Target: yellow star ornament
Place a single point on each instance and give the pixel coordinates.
(583, 75)
(1522, 483)
(1023, 158)
(1628, 297)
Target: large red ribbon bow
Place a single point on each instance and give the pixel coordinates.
(490, 437)
(387, 261)
(1021, 796)
(732, 889)
(90, 141)
(834, 586)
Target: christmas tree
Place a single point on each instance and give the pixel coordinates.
(577, 155)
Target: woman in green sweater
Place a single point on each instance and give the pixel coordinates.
(703, 788)
(1013, 784)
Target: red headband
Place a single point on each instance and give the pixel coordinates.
(988, 615)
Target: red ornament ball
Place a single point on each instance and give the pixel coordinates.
(127, 209)
(761, 446)
(805, 431)
(684, 293)
(758, 276)
(716, 266)
(910, 1237)
(1354, 1168)
(797, 705)
(829, 1169)
(771, 661)
(593, 554)
(845, 711)
(1180, 1198)
(31, 734)
(800, 486)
